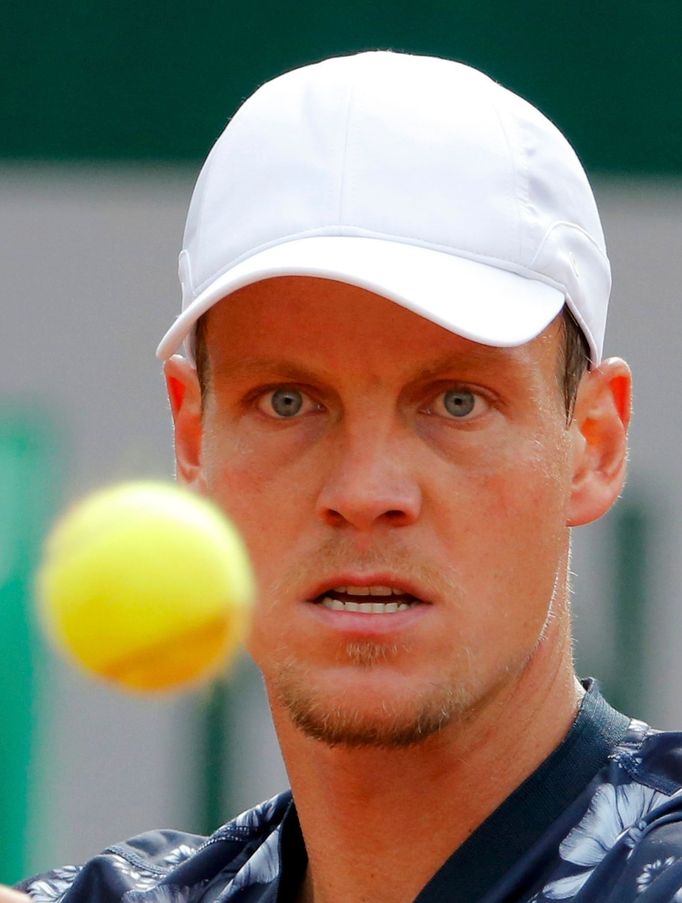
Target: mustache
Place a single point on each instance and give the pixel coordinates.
(336, 555)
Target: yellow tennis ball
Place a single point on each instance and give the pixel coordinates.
(146, 585)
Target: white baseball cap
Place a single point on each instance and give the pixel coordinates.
(417, 178)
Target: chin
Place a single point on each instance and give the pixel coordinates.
(367, 710)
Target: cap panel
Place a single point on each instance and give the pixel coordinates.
(275, 171)
(412, 171)
(558, 189)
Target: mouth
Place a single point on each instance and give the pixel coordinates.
(371, 599)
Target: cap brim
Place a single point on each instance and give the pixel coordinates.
(476, 300)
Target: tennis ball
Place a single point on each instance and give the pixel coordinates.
(146, 585)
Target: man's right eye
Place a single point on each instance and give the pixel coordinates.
(286, 402)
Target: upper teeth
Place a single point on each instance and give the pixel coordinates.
(369, 590)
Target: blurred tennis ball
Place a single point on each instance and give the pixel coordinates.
(146, 585)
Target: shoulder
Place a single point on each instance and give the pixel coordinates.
(181, 863)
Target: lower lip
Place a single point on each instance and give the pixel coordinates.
(359, 624)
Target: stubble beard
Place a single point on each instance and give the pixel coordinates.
(388, 725)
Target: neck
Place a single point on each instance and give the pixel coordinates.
(379, 823)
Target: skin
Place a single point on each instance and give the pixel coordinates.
(7, 895)
(375, 481)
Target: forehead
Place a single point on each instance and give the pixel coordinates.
(343, 328)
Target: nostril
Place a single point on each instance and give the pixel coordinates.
(334, 518)
(395, 516)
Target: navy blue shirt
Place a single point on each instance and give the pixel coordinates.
(600, 821)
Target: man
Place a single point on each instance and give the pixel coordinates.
(395, 290)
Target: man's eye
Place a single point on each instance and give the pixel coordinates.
(285, 402)
(461, 404)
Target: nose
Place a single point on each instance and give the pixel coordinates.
(370, 482)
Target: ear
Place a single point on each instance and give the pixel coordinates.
(184, 395)
(599, 427)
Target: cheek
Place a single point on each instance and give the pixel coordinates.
(244, 490)
(512, 535)
(265, 490)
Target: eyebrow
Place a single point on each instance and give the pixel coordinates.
(253, 366)
(476, 355)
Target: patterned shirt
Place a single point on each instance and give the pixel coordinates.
(600, 821)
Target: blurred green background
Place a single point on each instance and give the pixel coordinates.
(154, 80)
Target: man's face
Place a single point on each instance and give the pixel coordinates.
(370, 457)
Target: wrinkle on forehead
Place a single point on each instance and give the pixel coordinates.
(290, 367)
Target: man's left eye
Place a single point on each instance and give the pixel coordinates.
(460, 404)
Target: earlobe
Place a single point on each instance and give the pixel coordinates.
(184, 395)
(600, 425)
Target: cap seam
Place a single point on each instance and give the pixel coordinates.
(344, 155)
(570, 300)
(570, 225)
(520, 179)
